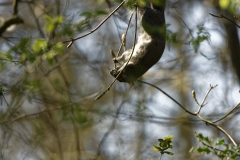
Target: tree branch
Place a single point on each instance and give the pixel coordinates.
(74, 39)
(7, 23)
(13, 20)
(196, 113)
(222, 16)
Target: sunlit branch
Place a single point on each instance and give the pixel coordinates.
(210, 122)
(204, 99)
(218, 127)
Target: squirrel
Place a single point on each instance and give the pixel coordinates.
(150, 45)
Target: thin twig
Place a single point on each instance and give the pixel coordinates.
(34, 114)
(236, 18)
(129, 22)
(9, 115)
(74, 39)
(215, 149)
(114, 18)
(55, 130)
(120, 48)
(55, 66)
(36, 20)
(179, 15)
(227, 114)
(194, 114)
(14, 61)
(168, 97)
(204, 99)
(111, 128)
(218, 127)
(5, 99)
(222, 16)
(134, 43)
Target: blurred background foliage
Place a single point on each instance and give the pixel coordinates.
(48, 108)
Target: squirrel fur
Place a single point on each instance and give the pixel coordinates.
(149, 48)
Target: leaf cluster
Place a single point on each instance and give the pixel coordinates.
(164, 145)
(202, 35)
(220, 148)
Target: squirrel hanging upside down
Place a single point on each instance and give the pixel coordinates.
(150, 45)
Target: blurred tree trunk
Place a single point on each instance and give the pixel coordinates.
(233, 40)
(234, 48)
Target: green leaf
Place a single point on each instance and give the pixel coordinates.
(235, 155)
(224, 3)
(167, 152)
(202, 35)
(80, 117)
(9, 57)
(156, 148)
(164, 145)
(87, 15)
(2, 55)
(67, 30)
(49, 27)
(206, 139)
(58, 48)
(220, 142)
(52, 22)
(48, 18)
(48, 55)
(59, 19)
(200, 136)
(203, 150)
(39, 45)
(32, 86)
(23, 42)
(168, 138)
(23, 56)
(100, 12)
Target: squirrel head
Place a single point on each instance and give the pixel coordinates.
(129, 74)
